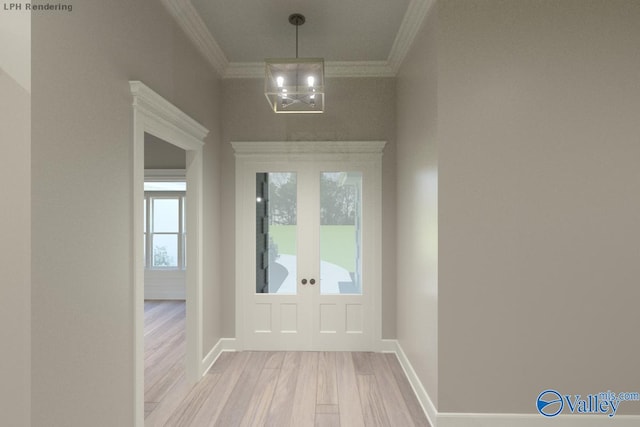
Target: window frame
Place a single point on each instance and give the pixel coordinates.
(149, 196)
(165, 175)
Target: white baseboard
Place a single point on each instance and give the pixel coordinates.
(446, 419)
(393, 346)
(534, 420)
(223, 344)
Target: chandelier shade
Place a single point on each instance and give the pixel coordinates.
(295, 85)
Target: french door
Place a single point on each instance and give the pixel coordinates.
(308, 246)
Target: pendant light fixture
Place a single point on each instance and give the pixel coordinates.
(295, 85)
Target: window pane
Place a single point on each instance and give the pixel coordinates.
(276, 217)
(165, 215)
(340, 232)
(165, 250)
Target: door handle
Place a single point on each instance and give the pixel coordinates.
(304, 281)
(312, 281)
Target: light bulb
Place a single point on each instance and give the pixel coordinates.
(280, 81)
(310, 81)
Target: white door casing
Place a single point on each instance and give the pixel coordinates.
(308, 320)
(155, 115)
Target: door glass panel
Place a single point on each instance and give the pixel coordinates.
(340, 232)
(276, 219)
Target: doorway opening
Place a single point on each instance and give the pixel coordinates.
(165, 261)
(155, 116)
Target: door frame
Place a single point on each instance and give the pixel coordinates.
(154, 115)
(254, 152)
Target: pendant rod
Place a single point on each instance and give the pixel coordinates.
(296, 19)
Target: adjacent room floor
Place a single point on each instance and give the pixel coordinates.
(255, 388)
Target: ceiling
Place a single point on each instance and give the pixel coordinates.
(355, 37)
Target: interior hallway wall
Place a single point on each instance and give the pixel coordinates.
(15, 256)
(417, 193)
(356, 109)
(159, 154)
(539, 214)
(82, 308)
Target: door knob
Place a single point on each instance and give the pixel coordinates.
(312, 281)
(304, 281)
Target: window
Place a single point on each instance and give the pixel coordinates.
(164, 227)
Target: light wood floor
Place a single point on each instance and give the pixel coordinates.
(164, 350)
(278, 389)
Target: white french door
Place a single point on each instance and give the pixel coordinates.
(308, 246)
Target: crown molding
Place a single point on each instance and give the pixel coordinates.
(252, 148)
(416, 12)
(190, 21)
(358, 69)
(255, 70)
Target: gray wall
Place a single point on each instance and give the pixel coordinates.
(357, 109)
(159, 154)
(417, 222)
(82, 336)
(15, 215)
(539, 147)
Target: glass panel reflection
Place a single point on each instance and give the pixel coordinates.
(276, 219)
(340, 232)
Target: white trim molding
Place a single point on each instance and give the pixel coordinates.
(164, 117)
(190, 21)
(449, 419)
(393, 346)
(223, 344)
(413, 18)
(255, 70)
(192, 24)
(534, 420)
(154, 115)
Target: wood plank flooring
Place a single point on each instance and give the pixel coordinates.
(254, 388)
(164, 350)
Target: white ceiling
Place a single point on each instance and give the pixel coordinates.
(355, 37)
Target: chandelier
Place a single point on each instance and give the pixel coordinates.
(295, 85)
